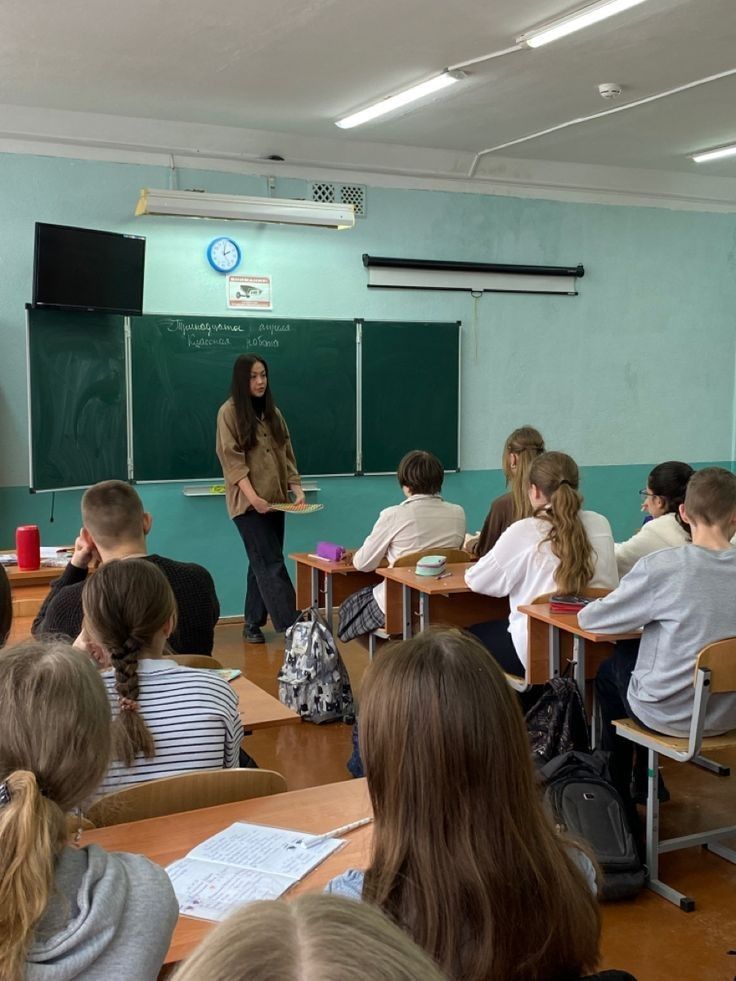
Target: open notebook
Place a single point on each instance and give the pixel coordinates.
(242, 863)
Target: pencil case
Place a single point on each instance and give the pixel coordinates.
(328, 550)
(568, 604)
(431, 565)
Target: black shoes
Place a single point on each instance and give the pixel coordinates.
(253, 634)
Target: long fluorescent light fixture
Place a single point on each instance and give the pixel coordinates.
(234, 207)
(435, 84)
(584, 17)
(722, 151)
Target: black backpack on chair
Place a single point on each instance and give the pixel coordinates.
(557, 722)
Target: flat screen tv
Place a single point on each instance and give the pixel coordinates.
(86, 269)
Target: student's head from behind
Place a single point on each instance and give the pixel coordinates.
(462, 849)
(6, 606)
(711, 500)
(129, 611)
(519, 451)
(666, 486)
(113, 515)
(312, 938)
(420, 472)
(54, 751)
(250, 380)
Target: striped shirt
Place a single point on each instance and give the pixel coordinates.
(193, 716)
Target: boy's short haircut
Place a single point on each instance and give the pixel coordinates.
(112, 512)
(711, 497)
(421, 472)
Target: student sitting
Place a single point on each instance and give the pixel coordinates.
(313, 938)
(519, 451)
(167, 719)
(559, 549)
(115, 527)
(684, 599)
(464, 857)
(420, 522)
(6, 606)
(664, 493)
(66, 912)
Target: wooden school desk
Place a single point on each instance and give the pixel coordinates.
(315, 810)
(30, 589)
(551, 636)
(441, 600)
(258, 709)
(335, 581)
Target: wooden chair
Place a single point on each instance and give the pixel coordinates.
(184, 792)
(452, 555)
(195, 661)
(522, 683)
(715, 673)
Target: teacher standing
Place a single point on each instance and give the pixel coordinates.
(254, 448)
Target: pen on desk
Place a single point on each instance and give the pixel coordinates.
(444, 575)
(336, 832)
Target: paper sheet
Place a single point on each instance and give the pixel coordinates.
(211, 892)
(252, 846)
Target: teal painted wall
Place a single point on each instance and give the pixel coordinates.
(637, 369)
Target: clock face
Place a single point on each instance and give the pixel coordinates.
(223, 254)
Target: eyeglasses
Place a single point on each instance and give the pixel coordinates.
(646, 493)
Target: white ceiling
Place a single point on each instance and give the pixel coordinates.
(293, 66)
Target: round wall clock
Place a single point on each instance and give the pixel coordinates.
(223, 254)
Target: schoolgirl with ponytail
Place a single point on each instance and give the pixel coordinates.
(560, 548)
(66, 912)
(166, 719)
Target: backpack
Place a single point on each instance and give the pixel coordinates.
(313, 680)
(557, 722)
(586, 805)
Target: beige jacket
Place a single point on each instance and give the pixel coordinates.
(269, 467)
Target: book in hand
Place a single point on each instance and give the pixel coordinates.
(568, 604)
(242, 863)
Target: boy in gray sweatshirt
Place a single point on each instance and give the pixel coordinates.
(684, 598)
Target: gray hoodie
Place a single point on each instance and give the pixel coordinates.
(111, 916)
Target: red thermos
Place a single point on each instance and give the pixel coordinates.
(28, 547)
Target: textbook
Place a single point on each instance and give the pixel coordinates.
(243, 863)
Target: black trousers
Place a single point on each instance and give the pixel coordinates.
(269, 591)
(611, 687)
(494, 634)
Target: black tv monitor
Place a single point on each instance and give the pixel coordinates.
(87, 269)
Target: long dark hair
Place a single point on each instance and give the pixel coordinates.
(669, 481)
(245, 414)
(6, 606)
(464, 857)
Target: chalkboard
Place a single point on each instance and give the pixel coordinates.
(181, 369)
(410, 392)
(76, 365)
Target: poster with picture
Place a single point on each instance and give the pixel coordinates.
(249, 293)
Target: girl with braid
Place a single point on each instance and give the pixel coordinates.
(560, 548)
(166, 719)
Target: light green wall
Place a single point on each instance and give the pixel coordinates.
(637, 369)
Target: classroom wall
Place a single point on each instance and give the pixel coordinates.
(638, 368)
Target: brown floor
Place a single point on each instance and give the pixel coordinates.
(648, 937)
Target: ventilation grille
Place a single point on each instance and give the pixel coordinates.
(342, 194)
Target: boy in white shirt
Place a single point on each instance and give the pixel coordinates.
(422, 521)
(684, 599)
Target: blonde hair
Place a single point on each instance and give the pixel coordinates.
(126, 603)
(112, 512)
(464, 857)
(526, 443)
(54, 750)
(313, 938)
(556, 476)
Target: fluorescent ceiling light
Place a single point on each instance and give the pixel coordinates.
(397, 101)
(563, 26)
(234, 207)
(722, 151)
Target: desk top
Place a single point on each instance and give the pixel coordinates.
(258, 709)
(454, 583)
(304, 558)
(315, 810)
(34, 577)
(569, 623)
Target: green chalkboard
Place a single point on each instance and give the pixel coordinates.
(181, 368)
(76, 365)
(410, 392)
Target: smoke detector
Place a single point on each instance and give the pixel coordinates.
(610, 90)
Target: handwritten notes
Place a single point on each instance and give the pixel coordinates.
(201, 334)
(242, 863)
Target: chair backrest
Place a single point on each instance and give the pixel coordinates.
(195, 660)
(184, 792)
(595, 592)
(720, 659)
(453, 555)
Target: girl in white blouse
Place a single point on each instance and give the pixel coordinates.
(561, 548)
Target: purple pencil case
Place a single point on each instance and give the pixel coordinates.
(328, 550)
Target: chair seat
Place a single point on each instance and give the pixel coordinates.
(630, 729)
